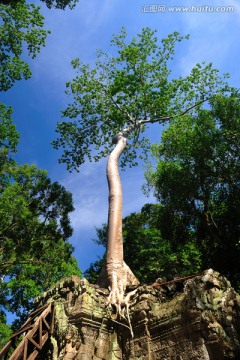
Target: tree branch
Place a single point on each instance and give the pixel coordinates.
(171, 117)
(138, 123)
(9, 263)
(117, 105)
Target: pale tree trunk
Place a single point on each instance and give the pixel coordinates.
(118, 273)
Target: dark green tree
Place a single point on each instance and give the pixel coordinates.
(156, 244)
(34, 228)
(163, 247)
(8, 144)
(198, 178)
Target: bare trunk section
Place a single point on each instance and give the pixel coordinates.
(118, 273)
(114, 243)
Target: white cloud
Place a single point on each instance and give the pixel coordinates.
(74, 34)
(235, 4)
(89, 189)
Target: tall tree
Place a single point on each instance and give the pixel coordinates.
(118, 99)
(197, 176)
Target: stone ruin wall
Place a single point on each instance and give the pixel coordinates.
(196, 319)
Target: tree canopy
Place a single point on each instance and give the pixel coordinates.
(197, 177)
(134, 87)
(58, 4)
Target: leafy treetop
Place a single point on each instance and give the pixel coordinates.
(129, 89)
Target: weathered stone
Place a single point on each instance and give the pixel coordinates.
(195, 319)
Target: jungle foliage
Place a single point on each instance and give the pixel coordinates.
(156, 244)
(198, 178)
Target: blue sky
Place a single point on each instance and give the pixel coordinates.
(214, 37)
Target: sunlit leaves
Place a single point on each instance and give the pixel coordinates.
(22, 32)
(134, 83)
(22, 27)
(5, 330)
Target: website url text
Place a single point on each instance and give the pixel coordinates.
(156, 8)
